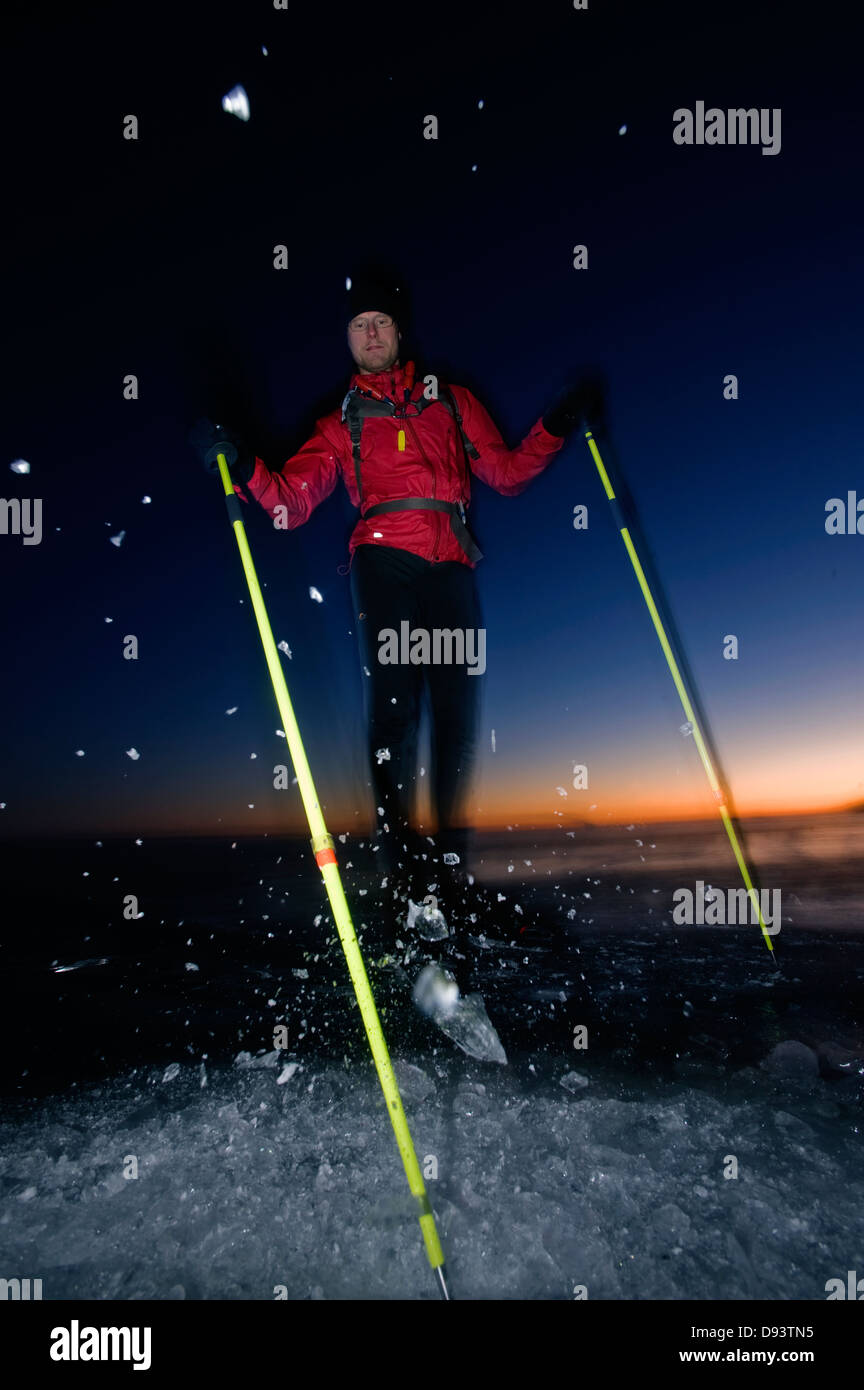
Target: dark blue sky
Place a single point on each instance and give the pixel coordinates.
(155, 258)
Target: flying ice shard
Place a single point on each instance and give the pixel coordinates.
(427, 920)
(236, 103)
(464, 1021)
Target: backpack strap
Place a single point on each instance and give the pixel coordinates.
(355, 408)
(447, 398)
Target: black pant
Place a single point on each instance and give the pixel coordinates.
(389, 587)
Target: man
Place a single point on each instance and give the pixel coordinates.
(405, 449)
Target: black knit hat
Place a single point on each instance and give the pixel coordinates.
(371, 293)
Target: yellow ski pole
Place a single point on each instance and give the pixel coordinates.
(713, 779)
(325, 857)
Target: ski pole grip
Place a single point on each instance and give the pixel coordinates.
(223, 446)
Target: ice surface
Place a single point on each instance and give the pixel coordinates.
(248, 1184)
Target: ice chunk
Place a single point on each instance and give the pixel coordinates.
(451, 858)
(190, 965)
(20, 466)
(233, 709)
(171, 1071)
(427, 920)
(574, 1081)
(839, 1061)
(267, 1059)
(118, 539)
(287, 1072)
(80, 964)
(283, 647)
(314, 594)
(464, 1021)
(414, 1083)
(382, 755)
(236, 103)
(493, 740)
(792, 1059)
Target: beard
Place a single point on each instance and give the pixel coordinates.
(379, 361)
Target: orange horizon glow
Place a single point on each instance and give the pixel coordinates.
(525, 818)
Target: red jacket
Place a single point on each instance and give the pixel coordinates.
(433, 464)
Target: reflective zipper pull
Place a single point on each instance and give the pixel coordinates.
(400, 445)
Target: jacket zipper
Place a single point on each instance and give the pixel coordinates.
(437, 515)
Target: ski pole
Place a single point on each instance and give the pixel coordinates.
(325, 857)
(708, 765)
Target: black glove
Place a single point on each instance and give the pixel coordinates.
(208, 440)
(583, 405)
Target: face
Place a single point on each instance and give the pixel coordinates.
(374, 348)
